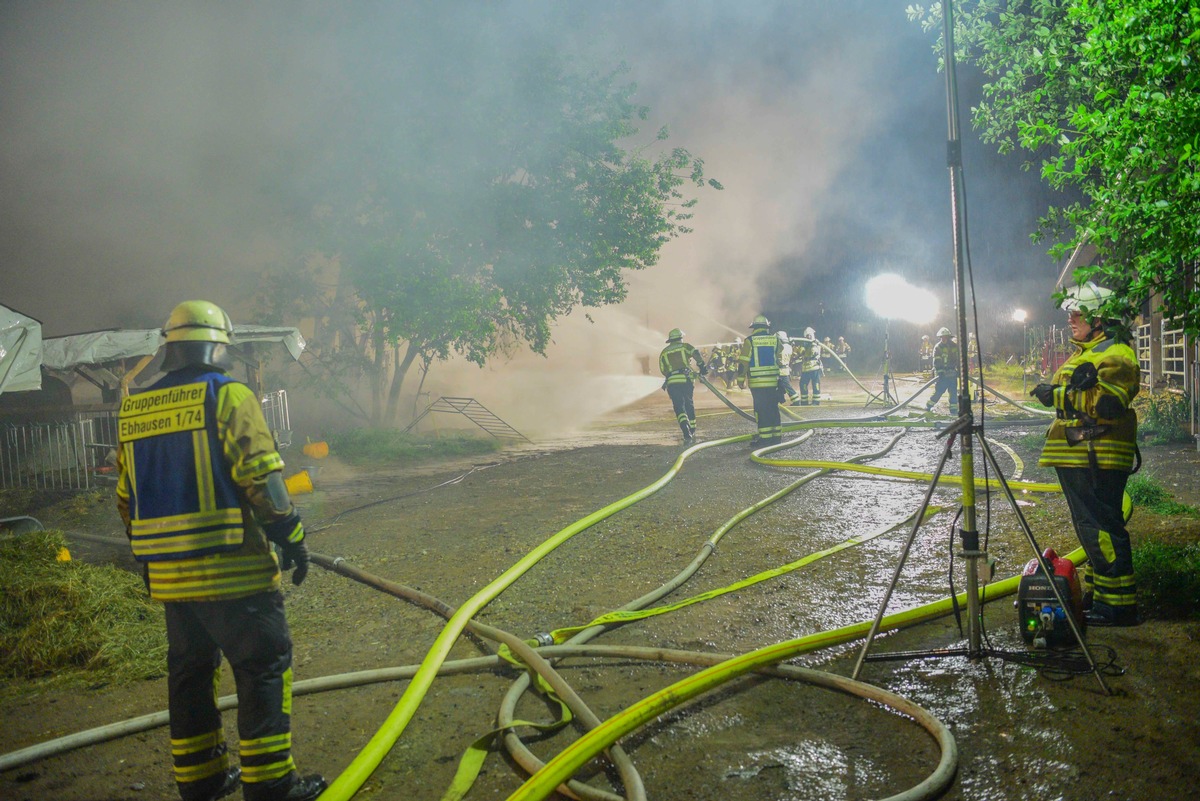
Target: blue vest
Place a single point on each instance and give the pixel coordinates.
(183, 501)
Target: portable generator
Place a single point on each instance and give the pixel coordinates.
(1042, 619)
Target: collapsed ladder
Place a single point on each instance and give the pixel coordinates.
(474, 411)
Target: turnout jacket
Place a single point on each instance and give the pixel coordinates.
(758, 363)
(673, 362)
(945, 358)
(808, 354)
(194, 455)
(1096, 426)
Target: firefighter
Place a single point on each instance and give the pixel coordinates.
(733, 355)
(809, 355)
(1092, 446)
(724, 364)
(945, 364)
(925, 354)
(786, 391)
(202, 495)
(758, 366)
(842, 349)
(675, 364)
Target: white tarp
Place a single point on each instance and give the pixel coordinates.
(20, 352)
(97, 347)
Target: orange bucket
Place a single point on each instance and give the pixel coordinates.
(317, 450)
(299, 483)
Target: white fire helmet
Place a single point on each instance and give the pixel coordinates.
(1086, 298)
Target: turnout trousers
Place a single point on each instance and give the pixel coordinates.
(766, 412)
(253, 634)
(1094, 497)
(681, 394)
(946, 383)
(810, 379)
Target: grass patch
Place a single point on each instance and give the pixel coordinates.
(368, 446)
(1147, 493)
(1032, 441)
(71, 622)
(1168, 578)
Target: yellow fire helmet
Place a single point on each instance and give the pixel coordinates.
(198, 321)
(674, 335)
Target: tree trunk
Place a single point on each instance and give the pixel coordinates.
(402, 365)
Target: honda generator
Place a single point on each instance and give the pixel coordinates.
(1042, 619)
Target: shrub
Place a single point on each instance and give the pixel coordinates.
(1164, 417)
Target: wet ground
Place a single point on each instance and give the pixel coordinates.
(1021, 734)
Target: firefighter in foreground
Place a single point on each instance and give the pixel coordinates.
(675, 364)
(202, 496)
(945, 364)
(1092, 446)
(758, 366)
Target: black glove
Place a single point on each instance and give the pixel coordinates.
(295, 555)
(703, 369)
(1084, 377)
(1044, 393)
(288, 534)
(1109, 408)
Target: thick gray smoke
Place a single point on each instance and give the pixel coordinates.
(154, 152)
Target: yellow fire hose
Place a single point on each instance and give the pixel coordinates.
(576, 755)
(357, 772)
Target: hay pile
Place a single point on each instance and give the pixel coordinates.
(72, 622)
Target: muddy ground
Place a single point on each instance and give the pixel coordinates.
(1021, 734)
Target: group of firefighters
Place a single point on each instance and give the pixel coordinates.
(723, 358)
(764, 361)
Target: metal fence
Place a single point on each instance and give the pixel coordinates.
(1174, 353)
(275, 410)
(79, 450)
(73, 454)
(1141, 337)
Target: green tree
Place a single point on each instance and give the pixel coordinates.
(1105, 96)
(475, 225)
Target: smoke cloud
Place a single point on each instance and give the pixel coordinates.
(154, 152)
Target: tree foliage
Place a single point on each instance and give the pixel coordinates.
(1106, 96)
(476, 222)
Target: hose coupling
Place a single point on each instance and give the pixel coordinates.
(338, 562)
(544, 638)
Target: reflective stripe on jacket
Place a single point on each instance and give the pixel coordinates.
(192, 447)
(758, 363)
(673, 362)
(1110, 442)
